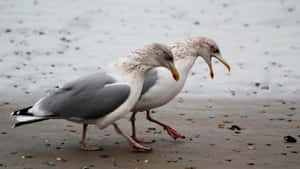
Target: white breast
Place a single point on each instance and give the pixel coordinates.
(135, 81)
(164, 90)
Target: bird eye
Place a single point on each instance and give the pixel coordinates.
(169, 58)
(216, 50)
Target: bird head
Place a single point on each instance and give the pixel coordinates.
(207, 49)
(160, 55)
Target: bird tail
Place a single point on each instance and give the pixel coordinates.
(24, 117)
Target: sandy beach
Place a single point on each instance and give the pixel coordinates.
(47, 43)
(209, 142)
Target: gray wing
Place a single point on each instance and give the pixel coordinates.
(150, 80)
(93, 96)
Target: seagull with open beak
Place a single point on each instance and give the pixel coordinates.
(159, 88)
(101, 98)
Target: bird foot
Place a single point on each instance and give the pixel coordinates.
(142, 140)
(173, 133)
(141, 147)
(85, 147)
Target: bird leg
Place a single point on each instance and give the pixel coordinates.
(172, 132)
(131, 141)
(83, 145)
(132, 119)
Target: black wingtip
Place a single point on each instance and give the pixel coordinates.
(23, 111)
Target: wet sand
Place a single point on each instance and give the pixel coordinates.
(47, 43)
(208, 143)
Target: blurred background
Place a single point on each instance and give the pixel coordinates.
(46, 43)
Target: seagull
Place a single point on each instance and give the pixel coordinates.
(101, 98)
(159, 88)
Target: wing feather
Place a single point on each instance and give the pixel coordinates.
(88, 97)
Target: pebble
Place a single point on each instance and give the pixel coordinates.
(265, 87)
(172, 161)
(3, 132)
(2, 165)
(26, 156)
(61, 159)
(58, 148)
(151, 128)
(221, 125)
(251, 164)
(190, 167)
(8, 30)
(284, 154)
(292, 108)
(233, 93)
(50, 163)
(291, 9)
(234, 127)
(251, 148)
(104, 156)
(196, 23)
(289, 139)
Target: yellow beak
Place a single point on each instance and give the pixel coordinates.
(211, 71)
(224, 63)
(174, 72)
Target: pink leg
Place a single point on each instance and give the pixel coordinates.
(83, 145)
(172, 132)
(132, 119)
(131, 141)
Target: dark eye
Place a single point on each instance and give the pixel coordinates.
(169, 58)
(216, 50)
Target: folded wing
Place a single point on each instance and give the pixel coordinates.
(92, 96)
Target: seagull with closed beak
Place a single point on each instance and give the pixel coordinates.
(159, 88)
(101, 98)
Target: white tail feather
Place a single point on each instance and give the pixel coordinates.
(28, 118)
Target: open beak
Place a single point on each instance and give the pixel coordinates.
(174, 72)
(222, 61)
(211, 71)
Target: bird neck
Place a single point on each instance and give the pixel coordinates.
(129, 68)
(184, 65)
(133, 64)
(184, 56)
